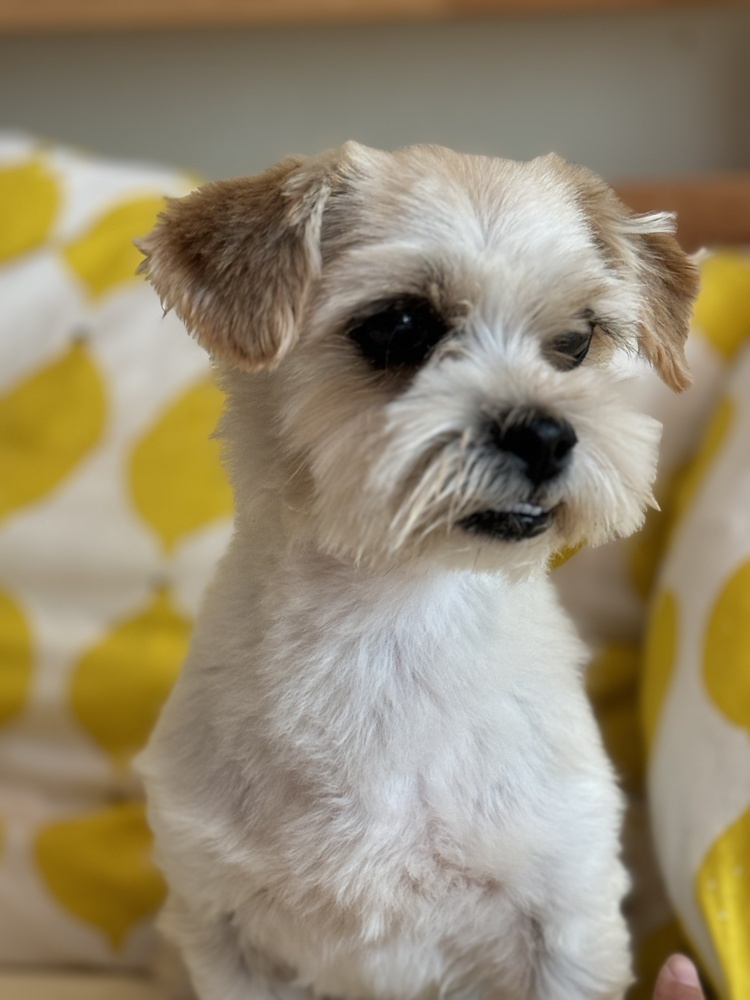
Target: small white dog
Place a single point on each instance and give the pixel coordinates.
(378, 775)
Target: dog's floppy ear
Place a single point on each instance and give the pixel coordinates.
(645, 247)
(235, 259)
(670, 280)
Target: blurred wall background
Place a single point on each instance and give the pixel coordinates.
(627, 94)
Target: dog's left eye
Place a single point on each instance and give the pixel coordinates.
(404, 333)
(569, 349)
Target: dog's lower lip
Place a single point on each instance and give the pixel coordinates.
(522, 520)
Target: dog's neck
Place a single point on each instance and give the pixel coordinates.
(391, 664)
(352, 614)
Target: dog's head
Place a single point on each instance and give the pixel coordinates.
(436, 334)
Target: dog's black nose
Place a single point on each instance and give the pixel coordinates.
(543, 443)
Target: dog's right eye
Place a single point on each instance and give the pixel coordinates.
(403, 334)
(570, 349)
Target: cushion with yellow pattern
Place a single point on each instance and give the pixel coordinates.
(696, 685)
(609, 591)
(113, 510)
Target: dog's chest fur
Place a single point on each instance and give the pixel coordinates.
(402, 747)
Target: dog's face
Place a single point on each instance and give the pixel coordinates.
(437, 335)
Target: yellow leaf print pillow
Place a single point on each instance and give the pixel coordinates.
(696, 692)
(113, 510)
(668, 614)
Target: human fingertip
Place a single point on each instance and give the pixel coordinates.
(681, 970)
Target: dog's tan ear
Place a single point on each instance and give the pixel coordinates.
(235, 259)
(669, 280)
(644, 246)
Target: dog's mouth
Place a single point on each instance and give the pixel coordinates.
(522, 520)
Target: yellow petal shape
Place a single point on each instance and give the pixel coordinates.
(29, 200)
(104, 256)
(119, 686)
(660, 655)
(722, 311)
(176, 478)
(561, 557)
(646, 551)
(612, 685)
(726, 653)
(689, 480)
(15, 658)
(98, 867)
(723, 891)
(47, 424)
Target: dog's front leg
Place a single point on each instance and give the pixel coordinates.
(216, 966)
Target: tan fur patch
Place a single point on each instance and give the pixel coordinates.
(234, 260)
(667, 276)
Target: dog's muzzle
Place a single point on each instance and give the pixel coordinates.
(522, 520)
(538, 446)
